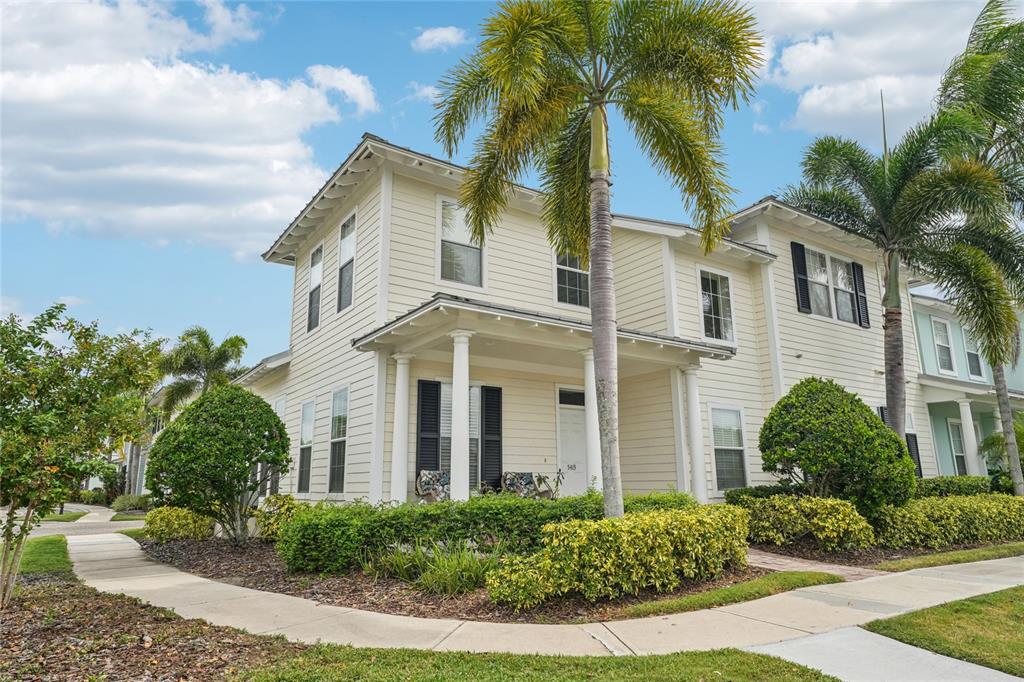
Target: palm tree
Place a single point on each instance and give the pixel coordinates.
(544, 77)
(918, 204)
(197, 363)
(994, 446)
(988, 81)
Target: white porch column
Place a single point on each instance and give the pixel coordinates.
(970, 439)
(695, 437)
(460, 414)
(400, 431)
(593, 432)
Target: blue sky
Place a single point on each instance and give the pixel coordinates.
(151, 151)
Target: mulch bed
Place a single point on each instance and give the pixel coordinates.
(58, 629)
(865, 557)
(257, 565)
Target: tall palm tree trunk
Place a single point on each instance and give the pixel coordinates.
(895, 372)
(602, 315)
(1009, 434)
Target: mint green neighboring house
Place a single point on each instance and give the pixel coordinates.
(957, 387)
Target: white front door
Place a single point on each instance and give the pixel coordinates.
(572, 450)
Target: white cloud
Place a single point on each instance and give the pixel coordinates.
(70, 301)
(439, 38)
(354, 87)
(108, 128)
(423, 92)
(9, 305)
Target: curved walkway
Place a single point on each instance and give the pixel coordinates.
(116, 563)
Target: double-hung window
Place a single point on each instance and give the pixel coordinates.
(461, 256)
(842, 290)
(817, 280)
(305, 445)
(830, 286)
(956, 441)
(316, 276)
(572, 282)
(727, 438)
(943, 346)
(974, 367)
(716, 306)
(474, 432)
(339, 436)
(346, 261)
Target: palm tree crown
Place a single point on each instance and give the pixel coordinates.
(197, 363)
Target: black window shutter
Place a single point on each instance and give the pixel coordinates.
(862, 297)
(915, 453)
(883, 414)
(803, 289)
(490, 406)
(428, 426)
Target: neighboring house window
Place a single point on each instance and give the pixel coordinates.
(572, 281)
(461, 257)
(305, 445)
(716, 304)
(956, 440)
(727, 436)
(339, 437)
(974, 367)
(829, 286)
(316, 276)
(347, 261)
(943, 346)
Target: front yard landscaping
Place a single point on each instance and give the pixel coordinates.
(987, 630)
(125, 516)
(957, 557)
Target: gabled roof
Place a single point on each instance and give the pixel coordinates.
(771, 204)
(264, 367)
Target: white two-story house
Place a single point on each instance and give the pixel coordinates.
(413, 348)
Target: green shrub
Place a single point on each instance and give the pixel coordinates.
(833, 524)
(955, 520)
(440, 569)
(944, 486)
(174, 523)
(657, 500)
(275, 511)
(733, 495)
(329, 538)
(610, 557)
(123, 503)
(97, 496)
(822, 434)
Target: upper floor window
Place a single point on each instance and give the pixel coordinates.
(829, 286)
(974, 367)
(842, 290)
(461, 256)
(316, 276)
(716, 306)
(346, 261)
(339, 437)
(943, 346)
(572, 281)
(727, 437)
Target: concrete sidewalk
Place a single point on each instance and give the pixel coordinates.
(115, 563)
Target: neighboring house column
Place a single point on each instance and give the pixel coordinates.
(970, 439)
(460, 415)
(400, 431)
(695, 437)
(593, 432)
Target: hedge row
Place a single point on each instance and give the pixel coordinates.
(954, 520)
(834, 525)
(736, 495)
(611, 557)
(332, 538)
(944, 486)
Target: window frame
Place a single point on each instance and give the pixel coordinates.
(950, 421)
(935, 345)
(968, 340)
(711, 440)
(309, 288)
(332, 440)
(732, 305)
(438, 238)
(833, 313)
(554, 284)
(355, 248)
(479, 386)
(312, 442)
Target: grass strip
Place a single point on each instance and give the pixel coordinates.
(48, 554)
(985, 630)
(961, 556)
(124, 516)
(764, 586)
(66, 516)
(134, 533)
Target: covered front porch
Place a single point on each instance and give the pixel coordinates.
(476, 389)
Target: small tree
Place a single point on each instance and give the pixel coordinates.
(824, 435)
(216, 455)
(61, 406)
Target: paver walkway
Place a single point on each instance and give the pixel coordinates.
(115, 563)
(779, 562)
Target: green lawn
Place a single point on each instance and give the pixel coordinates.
(125, 516)
(133, 533)
(957, 557)
(987, 630)
(46, 555)
(764, 586)
(332, 662)
(66, 516)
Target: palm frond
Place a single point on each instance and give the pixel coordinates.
(934, 196)
(845, 164)
(565, 177)
(228, 352)
(1004, 246)
(837, 205)
(467, 93)
(177, 392)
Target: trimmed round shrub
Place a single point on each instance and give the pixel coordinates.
(937, 522)
(944, 486)
(823, 435)
(174, 523)
(834, 525)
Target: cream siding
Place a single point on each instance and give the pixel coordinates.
(639, 284)
(647, 450)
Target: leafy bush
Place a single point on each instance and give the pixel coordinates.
(610, 557)
(97, 496)
(822, 434)
(657, 500)
(944, 486)
(123, 503)
(440, 569)
(733, 495)
(955, 520)
(275, 511)
(833, 524)
(173, 523)
(216, 455)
